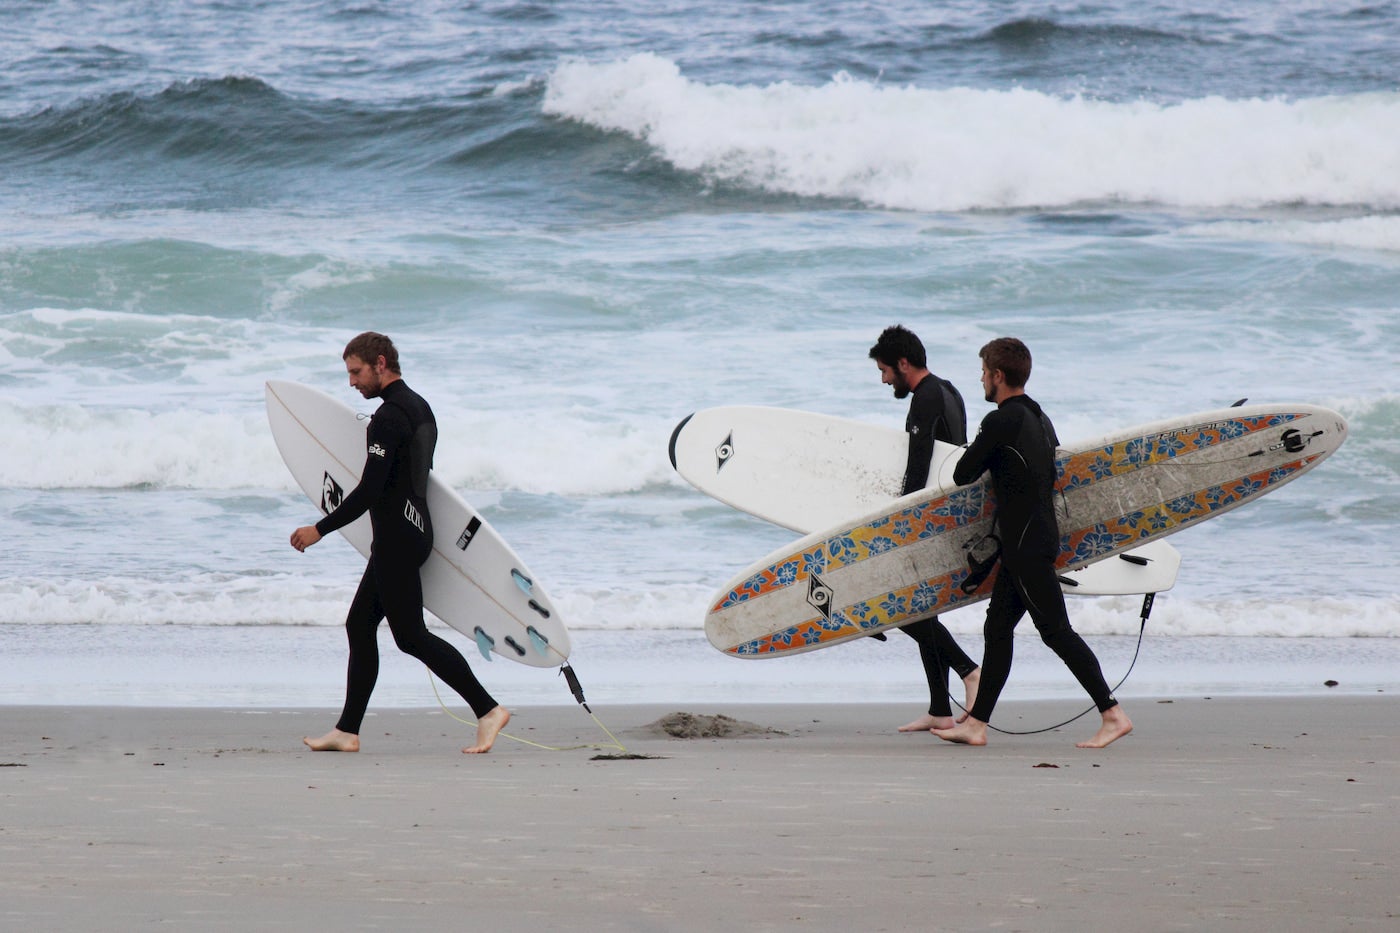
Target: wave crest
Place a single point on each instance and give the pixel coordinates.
(960, 149)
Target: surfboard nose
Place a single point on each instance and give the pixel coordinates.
(671, 448)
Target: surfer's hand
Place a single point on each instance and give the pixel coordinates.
(304, 537)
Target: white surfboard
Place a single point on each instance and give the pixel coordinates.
(907, 560)
(473, 581)
(806, 471)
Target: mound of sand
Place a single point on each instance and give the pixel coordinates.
(693, 726)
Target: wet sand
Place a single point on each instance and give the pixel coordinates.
(1215, 814)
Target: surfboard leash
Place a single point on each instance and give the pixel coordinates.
(574, 686)
(1147, 600)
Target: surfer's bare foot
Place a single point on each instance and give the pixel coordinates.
(926, 722)
(334, 741)
(487, 728)
(968, 732)
(970, 683)
(1116, 724)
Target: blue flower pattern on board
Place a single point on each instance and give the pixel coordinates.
(1099, 541)
(787, 574)
(925, 597)
(893, 605)
(841, 548)
(1170, 446)
(963, 506)
(785, 637)
(1101, 467)
(837, 622)
(879, 545)
(752, 586)
(1246, 488)
(1182, 505)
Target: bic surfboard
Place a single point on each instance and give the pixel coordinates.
(806, 471)
(907, 559)
(473, 581)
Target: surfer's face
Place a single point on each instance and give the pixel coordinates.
(989, 385)
(367, 378)
(893, 376)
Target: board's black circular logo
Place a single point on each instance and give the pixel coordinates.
(724, 451)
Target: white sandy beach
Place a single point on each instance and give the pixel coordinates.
(1223, 814)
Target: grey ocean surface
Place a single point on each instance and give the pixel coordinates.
(583, 221)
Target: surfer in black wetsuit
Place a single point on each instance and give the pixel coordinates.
(1016, 445)
(393, 489)
(936, 412)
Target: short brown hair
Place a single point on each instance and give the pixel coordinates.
(896, 343)
(1009, 355)
(370, 346)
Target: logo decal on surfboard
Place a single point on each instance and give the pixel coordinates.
(331, 494)
(468, 533)
(819, 595)
(724, 451)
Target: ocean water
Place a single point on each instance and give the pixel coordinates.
(582, 221)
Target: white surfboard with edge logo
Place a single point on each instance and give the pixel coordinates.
(473, 581)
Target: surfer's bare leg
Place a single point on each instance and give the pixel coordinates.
(967, 732)
(334, 741)
(487, 728)
(970, 683)
(1116, 724)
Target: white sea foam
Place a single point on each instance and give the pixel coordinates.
(957, 149)
(89, 447)
(1367, 233)
(312, 600)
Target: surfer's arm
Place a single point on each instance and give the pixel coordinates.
(382, 439)
(920, 455)
(976, 459)
(925, 414)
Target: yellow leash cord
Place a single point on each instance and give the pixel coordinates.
(515, 738)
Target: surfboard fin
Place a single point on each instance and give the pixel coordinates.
(540, 643)
(484, 642)
(527, 586)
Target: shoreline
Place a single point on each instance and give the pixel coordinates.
(1224, 814)
(271, 666)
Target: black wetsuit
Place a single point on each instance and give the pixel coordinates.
(1016, 444)
(393, 489)
(936, 412)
